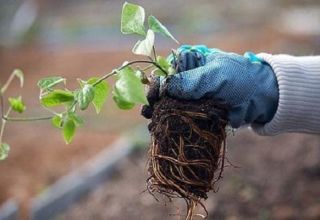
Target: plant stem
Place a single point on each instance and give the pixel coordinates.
(3, 122)
(104, 77)
(26, 119)
(6, 85)
(2, 104)
(154, 53)
(143, 61)
(3, 125)
(147, 68)
(5, 117)
(128, 64)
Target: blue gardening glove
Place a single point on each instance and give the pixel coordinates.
(246, 83)
(189, 57)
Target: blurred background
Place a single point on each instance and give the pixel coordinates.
(278, 178)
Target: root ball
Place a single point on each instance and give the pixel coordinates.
(187, 152)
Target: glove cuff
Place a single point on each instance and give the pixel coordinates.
(299, 95)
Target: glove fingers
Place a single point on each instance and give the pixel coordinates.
(189, 65)
(191, 84)
(221, 78)
(188, 60)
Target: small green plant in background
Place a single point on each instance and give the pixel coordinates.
(16, 104)
(127, 91)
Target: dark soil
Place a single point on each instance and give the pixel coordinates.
(187, 149)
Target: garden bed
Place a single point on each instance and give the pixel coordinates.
(278, 179)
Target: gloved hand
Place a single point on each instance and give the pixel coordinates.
(189, 57)
(246, 83)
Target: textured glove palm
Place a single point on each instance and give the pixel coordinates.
(249, 88)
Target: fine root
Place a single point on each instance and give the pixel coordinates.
(187, 151)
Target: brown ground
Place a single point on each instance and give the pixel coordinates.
(279, 179)
(38, 155)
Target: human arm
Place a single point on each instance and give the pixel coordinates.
(299, 95)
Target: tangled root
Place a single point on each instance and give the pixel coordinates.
(187, 153)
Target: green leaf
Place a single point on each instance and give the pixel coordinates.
(144, 47)
(69, 128)
(19, 74)
(101, 92)
(76, 118)
(132, 19)
(163, 62)
(4, 151)
(57, 121)
(17, 105)
(85, 96)
(57, 97)
(129, 87)
(158, 72)
(158, 27)
(49, 82)
(121, 103)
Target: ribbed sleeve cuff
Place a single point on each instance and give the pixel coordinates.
(299, 95)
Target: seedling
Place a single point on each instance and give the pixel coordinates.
(127, 91)
(188, 137)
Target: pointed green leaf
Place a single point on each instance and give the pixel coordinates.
(130, 87)
(85, 96)
(4, 151)
(69, 128)
(57, 121)
(57, 97)
(19, 74)
(144, 47)
(158, 27)
(76, 118)
(17, 105)
(101, 92)
(49, 82)
(132, 19)
(121, 103)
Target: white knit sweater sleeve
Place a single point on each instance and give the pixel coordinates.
(299, 95)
